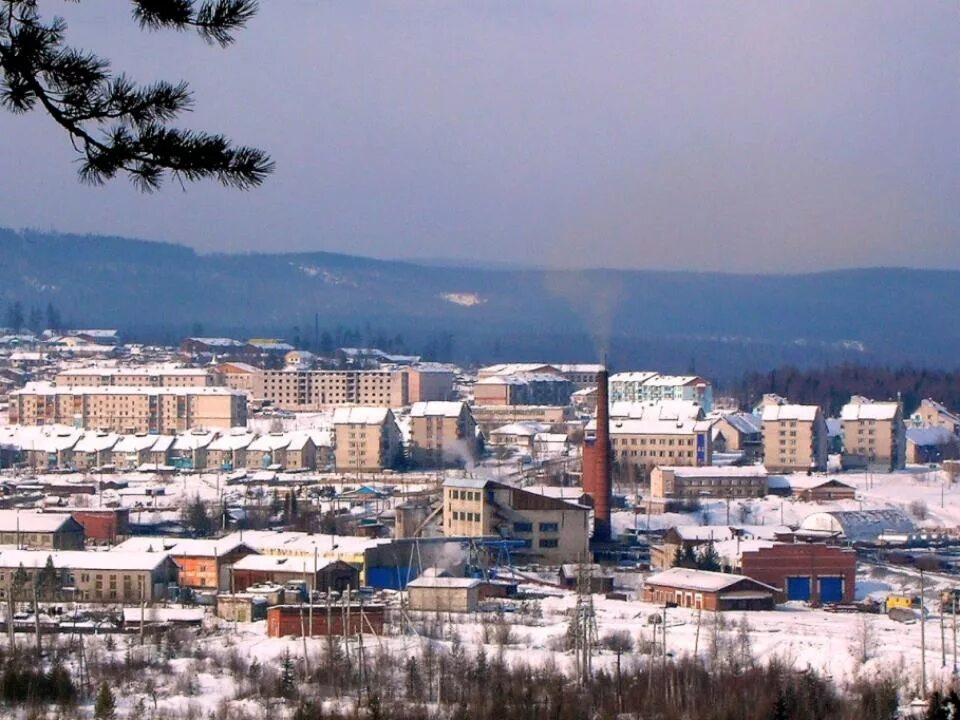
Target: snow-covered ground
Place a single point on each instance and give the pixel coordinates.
(874, 491)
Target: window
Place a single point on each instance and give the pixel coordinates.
(549, 543)
(549, 527)
(524, 527)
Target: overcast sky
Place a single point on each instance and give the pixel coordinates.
(749, 136)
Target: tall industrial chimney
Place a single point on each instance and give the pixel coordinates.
(596, 462)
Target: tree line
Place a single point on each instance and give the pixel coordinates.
(831, 387)
(18, 317)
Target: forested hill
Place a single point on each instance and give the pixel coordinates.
(709, 322)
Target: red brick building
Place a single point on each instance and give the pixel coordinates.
(811, 572)
(106, 525)
(284, 620)
(701, 589)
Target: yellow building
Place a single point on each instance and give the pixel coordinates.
(136, 377)
(874, 432)
(553, 530)
(442, 433)
(794, 438)
(310, 390)
(167, 410)
(367, 439)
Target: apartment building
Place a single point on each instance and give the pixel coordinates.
(442, 433)
(128, 577)
(651, 434)
(430, 381)
(367, 439)
(646, 386)
(523, 389)
(794, 437)
(553, 530)
(932, 414)
(135, 377)
(739, 432)
(129, 409)
(874, 433)
(581, 375)
(238, 376)
(311, 390)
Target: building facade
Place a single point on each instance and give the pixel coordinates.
(874, 433)
(794, 438)
(367, 439)
(442, 434)
(129, 410)
(552, 530)
(310, 390)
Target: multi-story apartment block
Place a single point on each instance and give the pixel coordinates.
(367, 439)
(654, 434)
(129, 409)
(135, 377)
(305, 390)
(523, 389)
(238, 375)
(553, 530)
(739, 432)
(442, 433)
(430, 381)
(794, 438)
(653, 387)
(874, 432)
(933, 414)
(582, 375)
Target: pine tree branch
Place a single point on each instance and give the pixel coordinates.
(78, 92)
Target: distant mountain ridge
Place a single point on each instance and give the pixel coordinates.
(708, 322)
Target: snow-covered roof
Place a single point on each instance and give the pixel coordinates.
(744, 422)
(523, 429)
(436, 408)
(859, 525)
(640, 376)
(805, 413)
(654, 426)
(937, 435)
(49, 389)
(444, 582)
(193, 440)
(797, 481)
(703, 580)
(132, 371)
(82, 559)
(29, 521)
(279, 563)
(93, 442)
(236, 439)
(656, 410)
(360, 415)
(710, 471)
(217, 341)
(869, 411)
(202, 547)
(270, 442)
(136, 443)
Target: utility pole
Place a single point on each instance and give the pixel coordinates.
(923, 642)
(954, 628)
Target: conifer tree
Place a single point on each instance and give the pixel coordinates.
(115, 125)
(105, 706)
(287, 682)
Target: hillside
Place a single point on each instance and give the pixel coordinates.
(713, 322)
